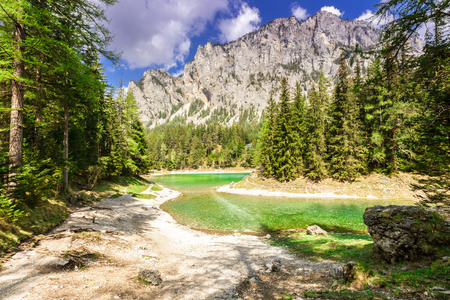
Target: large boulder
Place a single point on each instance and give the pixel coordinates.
(406, 232)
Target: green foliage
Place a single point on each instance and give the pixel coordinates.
(156, 188)
(267, 139)
(9, 210)
(71, 124)
(137, 187)
(286, 139)
(347, 149)
(371, 270)
(317, 125)
(195, 107)
(144, 196)
(189, 146)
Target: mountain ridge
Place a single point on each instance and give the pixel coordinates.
(225, 80)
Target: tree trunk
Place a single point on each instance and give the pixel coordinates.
(16, 128)
(66, 146)
(38, 117)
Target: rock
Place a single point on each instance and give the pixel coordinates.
(437, 289)
(274, 266)
(405, 232)
(268, 236)
(255, 279)
(315, 230)
(152, 276)
(62, 262)
(336, 271)
(345, 272)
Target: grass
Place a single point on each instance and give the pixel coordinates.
(40, 219)
(156, 188)
(132, 185)
(116, 195)
(137, 187)
(144, 196)
(374, 277)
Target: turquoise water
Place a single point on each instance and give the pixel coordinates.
(202, 207)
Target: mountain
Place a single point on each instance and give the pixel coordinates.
(234, 81)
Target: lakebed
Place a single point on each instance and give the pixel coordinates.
(208, 202)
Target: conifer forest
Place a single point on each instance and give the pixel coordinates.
(63, 128)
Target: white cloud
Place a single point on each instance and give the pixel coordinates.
(365, 16)
(299, 12)
(159, 32)
(247, 21)
(177, 73)
(370, 17)
(333, 10)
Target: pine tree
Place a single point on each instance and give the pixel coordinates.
(348, 154)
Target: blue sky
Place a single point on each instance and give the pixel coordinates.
(166, 33)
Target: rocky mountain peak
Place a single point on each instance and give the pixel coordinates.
(228, 82)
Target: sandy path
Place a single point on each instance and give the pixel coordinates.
(258, 192)
(128, 234)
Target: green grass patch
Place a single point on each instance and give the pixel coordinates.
(336, 247)
(39, 219)
(137, 187)
(373, 275)
(117, 195)
(119, 184)
(156, 188)
(144, 196)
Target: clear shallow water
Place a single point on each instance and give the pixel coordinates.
(202, 207)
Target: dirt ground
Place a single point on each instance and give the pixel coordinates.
(98, 251)
(396, 187)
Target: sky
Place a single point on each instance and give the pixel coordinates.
(152, 34)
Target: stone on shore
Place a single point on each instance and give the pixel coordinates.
(315, 230)
(151, 276)
(406, 232)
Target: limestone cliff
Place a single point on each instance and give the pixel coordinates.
(235, 80)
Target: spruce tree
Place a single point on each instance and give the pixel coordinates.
(286, 138)
(266, 139)
(348, 154)
(299, 122)
(316, 124)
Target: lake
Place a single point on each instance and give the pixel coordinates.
(201, 207)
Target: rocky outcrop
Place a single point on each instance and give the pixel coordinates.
(406, 232)
(225, 81)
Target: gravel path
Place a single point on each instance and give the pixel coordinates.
(97, 253)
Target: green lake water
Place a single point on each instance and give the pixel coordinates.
(202, 207)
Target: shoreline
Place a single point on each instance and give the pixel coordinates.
(189, 172)
(264, 193)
